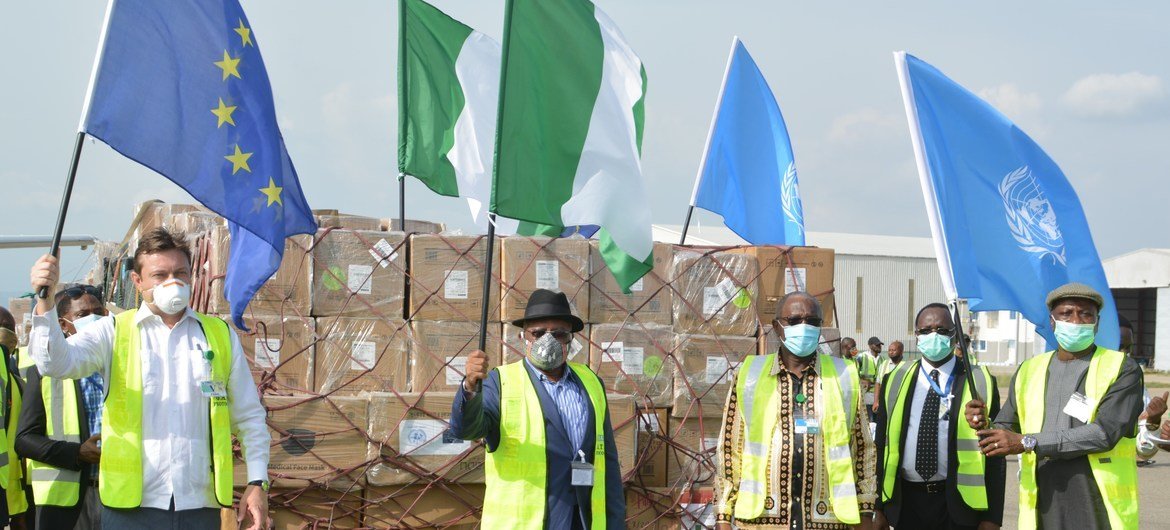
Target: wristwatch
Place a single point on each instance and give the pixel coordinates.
(1029, 443)
(264, 484)
(1153, 426)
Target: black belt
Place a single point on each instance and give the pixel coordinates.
(932, 488)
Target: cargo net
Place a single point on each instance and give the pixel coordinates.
(358, 346)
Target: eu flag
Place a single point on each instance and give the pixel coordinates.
(180, 87)
(748, 174)
(1008, 227)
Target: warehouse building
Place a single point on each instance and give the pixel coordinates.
(1140, 281)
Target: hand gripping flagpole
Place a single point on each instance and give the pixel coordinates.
(67, 194)
(710, 133)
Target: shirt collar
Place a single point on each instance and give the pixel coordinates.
(814, 366)
(946, 369)
(144, 313)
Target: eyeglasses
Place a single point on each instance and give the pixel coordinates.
(794, 321)
(561, 335)
(937, 329)
(76, 291)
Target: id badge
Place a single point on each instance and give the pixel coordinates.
(807, 425)
(212, 389)
(1078, 407)
(944, 409)
(581, 472)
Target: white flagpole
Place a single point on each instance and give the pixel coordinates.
(710, 134)
(97, 64)
(929, 194)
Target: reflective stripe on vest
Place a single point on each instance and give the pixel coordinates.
(6, 413)
(54, 486)
(517, 472)
(838, 397)
(120, 474)
(1114, 470)
(24, 362)
(971, 462)
(11, 469)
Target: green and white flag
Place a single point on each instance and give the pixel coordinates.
(448, 92)
(569, 137)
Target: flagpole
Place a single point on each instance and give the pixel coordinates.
(71, 177)
(968, 367)
(710, 134)
(401, 114)
(402, 201)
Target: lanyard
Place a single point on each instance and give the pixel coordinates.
(934, 386)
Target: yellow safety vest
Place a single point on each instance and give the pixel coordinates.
(55, 486)
(120, 471)
(755, 391)
(971, 462)
(10, 471)
(516, 472)
(24, 362)
(1114, 470)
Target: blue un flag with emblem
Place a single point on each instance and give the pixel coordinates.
(1008, 226)
(181, 88)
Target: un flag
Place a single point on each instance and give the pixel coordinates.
(181, 88)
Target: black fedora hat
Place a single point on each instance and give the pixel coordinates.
(548, 304)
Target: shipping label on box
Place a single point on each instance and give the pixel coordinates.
(632, 359)
(446, 278)
(787, 269)
(709, 367)
(281, 348)
(439, 350)
(359, 273)
(361, 355)
(531, 263)
(410, 431)
(650, 298)
(714, 292)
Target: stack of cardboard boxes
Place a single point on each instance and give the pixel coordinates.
(359, 344)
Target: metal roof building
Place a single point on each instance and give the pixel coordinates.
(1140, 281)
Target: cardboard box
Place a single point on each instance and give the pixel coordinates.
(334, 219)
(652, 509)
(300, 509)
(653, 428)
(709, 365)
(446, 278)
(691, 460)
(531, 263)
(714, 292)
(280, 351)
(315, 441)
(361, 354)
(21, 309)
(286, 292)
(634, 359)
(193, 222)
(515, 350)
(413, 226)
(359, 273)
(830, 341)
(650, 299)
(438, 353)
(449, 506)
(412, 445)
(623, 417)
(787, 269)
(154, 214)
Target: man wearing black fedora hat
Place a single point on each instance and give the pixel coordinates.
(546, 425)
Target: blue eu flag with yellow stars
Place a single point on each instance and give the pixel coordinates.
(180, 87)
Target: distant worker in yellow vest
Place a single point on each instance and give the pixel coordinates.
(177, 387)
(1071, 415)
(868, 363)
(888, 364)
(552, 460)
(60, 425)
(13, 510)
(795, 450)
(932, 475)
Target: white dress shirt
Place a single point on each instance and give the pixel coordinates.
(175, 439)
(921, 390)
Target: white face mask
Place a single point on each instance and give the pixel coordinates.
(85, 321)
(172, 296)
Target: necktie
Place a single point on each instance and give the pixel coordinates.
(926, 461)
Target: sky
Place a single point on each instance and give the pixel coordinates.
(1090, 82)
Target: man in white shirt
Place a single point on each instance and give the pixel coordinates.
(177, 385)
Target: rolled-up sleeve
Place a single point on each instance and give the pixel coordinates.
(248, 414)
(80, 355)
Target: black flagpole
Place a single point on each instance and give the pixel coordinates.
(402, 202)
(686, 224)
(968, 367)
(487, 287)
(55, 248)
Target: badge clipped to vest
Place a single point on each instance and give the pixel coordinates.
(1078, 407)
(582, 471)
(806, 424)
(213, 389)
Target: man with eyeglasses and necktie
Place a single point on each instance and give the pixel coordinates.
(551, 456)
(931, 473)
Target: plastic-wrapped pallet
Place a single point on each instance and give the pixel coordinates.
(439, 350)
(361, 355)
(286, 292)
(650, 298)
(531, 263)
(448, 506)
(787, 269)
(633, 359)
(410, 442)
(359, 273)
(280, 351)
(709, 366)
(715, 292)
(446, 278)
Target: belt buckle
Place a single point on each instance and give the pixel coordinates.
(934, 487)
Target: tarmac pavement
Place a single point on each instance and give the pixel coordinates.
(1153, 493)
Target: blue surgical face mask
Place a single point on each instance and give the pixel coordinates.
(934, 347)
(1074, 337)
(801, 339)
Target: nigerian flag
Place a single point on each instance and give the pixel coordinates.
(570, 127)
(448, 90)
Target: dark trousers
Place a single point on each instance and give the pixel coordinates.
(155, 519)
(923, 510)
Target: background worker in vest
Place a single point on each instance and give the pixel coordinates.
(867, 367)
(13, 510)
(799, 416)
(552, 460)
(177, 385)
(63, 454)
(888, 364)
(848, 348)
(932, 474)
(1072, 416)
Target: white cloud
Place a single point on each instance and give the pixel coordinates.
(1115, 95)
(1010, 100)
(865, 123)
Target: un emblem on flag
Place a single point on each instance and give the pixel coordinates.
(790, 197)
(1030, 216)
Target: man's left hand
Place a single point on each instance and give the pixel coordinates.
(1000, 442)
(987, 525)
(254, 507)
(1156, 408)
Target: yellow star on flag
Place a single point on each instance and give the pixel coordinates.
(229, 66)
(239, 160)
(224, 113)
(272, 192)
(245, 34)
